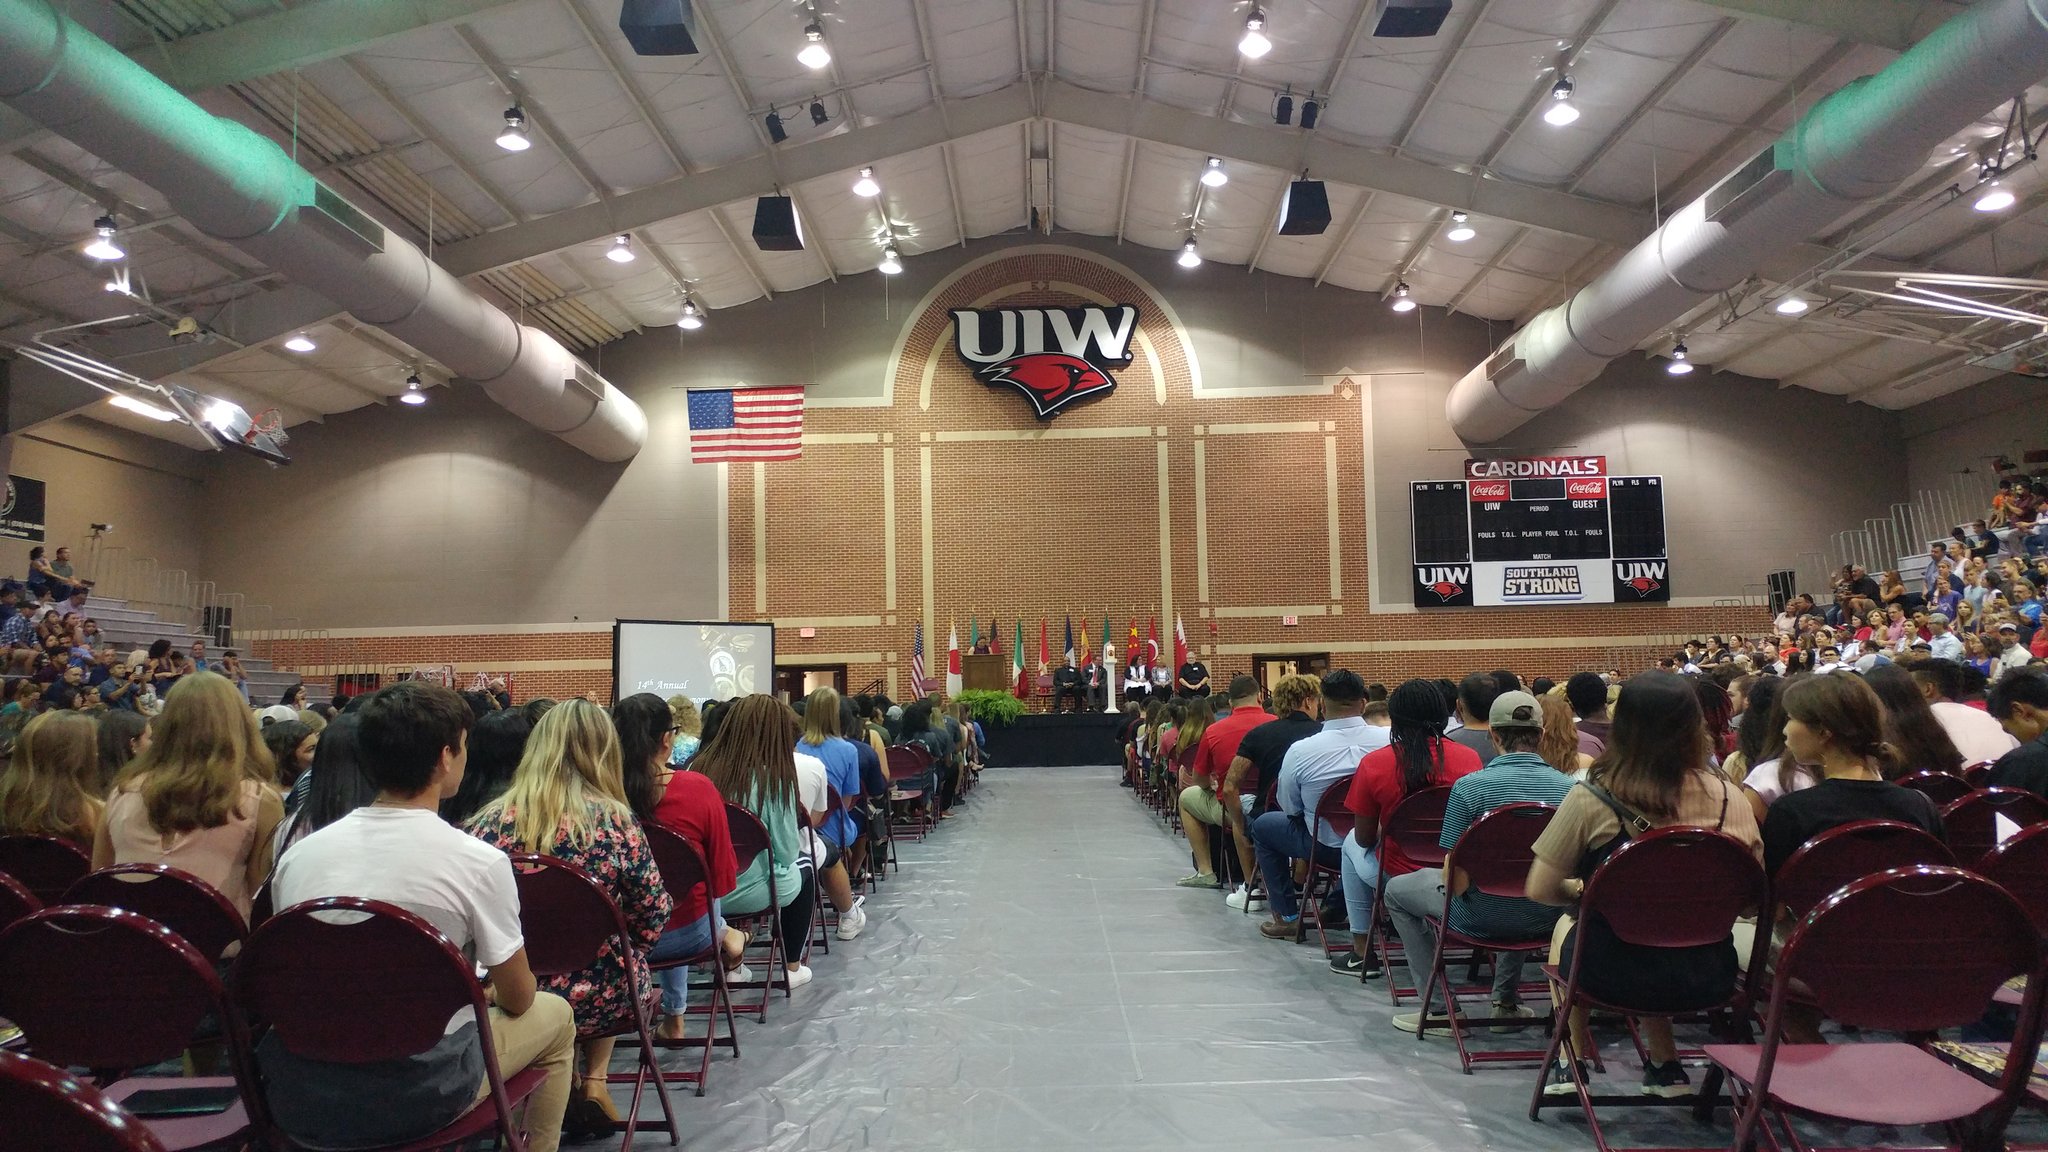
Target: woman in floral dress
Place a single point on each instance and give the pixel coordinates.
(567, 800)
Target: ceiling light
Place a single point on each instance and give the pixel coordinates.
(1309, 111)
(1402, 302)
(621, 251)
(818, 116)
(412, 393)
(1678, 364)
(1213, 174)
(814, 55)
(1994, 199)
(102, 246)
(1561, 110)
(866, 186)
(513, 138)
(1189, 257)
(300, 342)
(892, 261)
(142, 408)
(1255, 44)
(1790, 305)
(1283, 109)
(776, 134)
(692, 319)
(220, 414)
(1460, 230)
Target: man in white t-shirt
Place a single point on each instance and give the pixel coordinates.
(1979, 737)
(397, 849)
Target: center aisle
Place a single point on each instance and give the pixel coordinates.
(1035, 981)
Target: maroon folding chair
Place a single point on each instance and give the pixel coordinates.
(1977, 775)
(109, 990)
(749, 840)
(1673, 887)
(1845, 854)
(1943, 788)
(821, 935)
(46, 1107)
(1972, 822)
(570, 922)
(2020, 866)
(16, 901)
(684, 873)
(1416, 824)
(45, 865)
(1332, 815)
(1494, 854)
(906, 762)
(1913, 950)
(354, 981)
(173, 898)
(261, 905)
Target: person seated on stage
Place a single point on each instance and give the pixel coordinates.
(1310, 767)
(1096, 680)
(1255, 769)
(1192, 679)
(1162, 681)
(1067, 682)
(1137, 685)
(1203, 791)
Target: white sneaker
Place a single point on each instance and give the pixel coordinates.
(739, 975)
(1236, 898)
(853, 919)
(799, 975)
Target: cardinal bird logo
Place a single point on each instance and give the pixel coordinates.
(1642, 585)
(1447, 591)
(1052, 380)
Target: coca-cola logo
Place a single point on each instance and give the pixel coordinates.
(1585, 489)
(1489, 490)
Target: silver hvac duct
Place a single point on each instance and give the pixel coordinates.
(1857, 144)
(235, 185)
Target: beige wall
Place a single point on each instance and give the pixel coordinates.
(2005, 417)
(149, 490)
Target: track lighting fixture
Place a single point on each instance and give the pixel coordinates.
(1461, 229)
(300, 342)
(1189, 257)
(866, 186)
(102, 245)
(892, 261)
(412, 393)
(1561, 111)
(692, 317)
(513, 138)
(1402, 301)
(621, 251)
(1678, 364)
(1213, 174)
(1254, 44)
(1283, 108)
(1995, 198)
(814, 55)
(1309, 111)
(773, 122)
(1790, 305)
(818, 116)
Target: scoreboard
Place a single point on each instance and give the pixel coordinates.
(1542, 530)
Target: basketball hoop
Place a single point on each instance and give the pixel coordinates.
(270, 423)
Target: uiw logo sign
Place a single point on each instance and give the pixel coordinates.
(1054, 356)
(1448, 583)
(1643, 578)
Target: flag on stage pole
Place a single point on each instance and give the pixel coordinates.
(730, 424)
(1151, 645)
(952, 659)
(1022, 690)
(995, 637)
(1044, 647)
(1082, 653)
(917, 683)
(1105, 639)
(1070, 641)
(1180, 645)
(973, 634)
(1134, 652)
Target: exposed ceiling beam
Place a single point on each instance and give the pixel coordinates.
(1893, 24)
(1343, 239)
(1649, 103)
(1435, 83)
(1499, 257)
(109, 201)
(306, 33)
(1741, 141)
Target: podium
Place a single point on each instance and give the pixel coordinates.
(989, 672)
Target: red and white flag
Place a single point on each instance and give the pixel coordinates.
(736, 424)
(1180, 644)
(952, 659)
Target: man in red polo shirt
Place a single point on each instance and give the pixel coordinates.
(1202, 794)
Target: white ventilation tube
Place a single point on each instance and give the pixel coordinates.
(1857, 144)
(235, 185)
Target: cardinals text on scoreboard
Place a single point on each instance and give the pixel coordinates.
(1054, 356)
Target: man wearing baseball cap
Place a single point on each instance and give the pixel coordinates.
(1517, 774)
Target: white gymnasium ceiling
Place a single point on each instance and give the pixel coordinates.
(950, 101)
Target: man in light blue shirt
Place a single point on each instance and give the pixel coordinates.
(1945, 644)
(1312, 767)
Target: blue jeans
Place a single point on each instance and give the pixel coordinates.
(688, 940)
(1278, 839)
(1361, 872)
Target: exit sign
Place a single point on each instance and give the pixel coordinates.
(1289, 621)
(807, 633)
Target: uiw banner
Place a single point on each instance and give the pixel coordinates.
(1054, 356)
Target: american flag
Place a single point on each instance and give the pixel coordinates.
(917, 682)
(732, 424)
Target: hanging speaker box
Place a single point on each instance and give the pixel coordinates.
(659, 27)
(1306, 209)
(776, 228)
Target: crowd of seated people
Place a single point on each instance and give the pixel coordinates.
(1736, 737)
(418, 796)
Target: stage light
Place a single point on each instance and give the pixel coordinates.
(102, 246)
(692, 318)
(1402, 302)
(513, 138)
(1255, 44)
(621, 251)
(1994, 199)
(892, 261)
(1561, 111)
(142, 408)
(814, 55)
(818, 116)
(1283, 109)
(1461, 231)
(1678, 364)
(1790, 305)
(300, 342)
(866, 186)
(1309, 111)
(1190, 256)
(776, 134)
(1213, 174)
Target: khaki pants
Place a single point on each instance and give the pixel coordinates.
(544, 1037)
